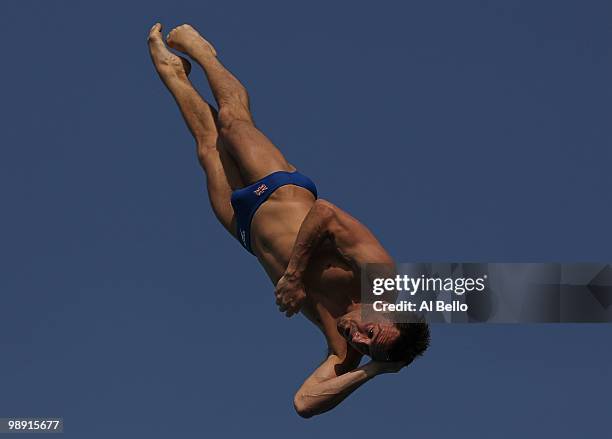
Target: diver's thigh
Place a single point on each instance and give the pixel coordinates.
(255, 155)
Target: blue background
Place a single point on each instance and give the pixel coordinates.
(457, 131)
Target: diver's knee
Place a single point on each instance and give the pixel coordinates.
(206, 150)
(231, 115)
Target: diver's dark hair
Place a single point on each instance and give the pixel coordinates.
(412, 342)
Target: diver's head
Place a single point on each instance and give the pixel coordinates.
(382, 339)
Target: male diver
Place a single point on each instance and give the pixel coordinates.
(311, 250)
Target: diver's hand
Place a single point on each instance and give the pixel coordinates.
(382, 367)
(290, 294)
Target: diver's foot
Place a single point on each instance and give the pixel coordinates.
(167, 64)
(188, 40)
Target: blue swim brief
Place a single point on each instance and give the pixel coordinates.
(247, 200)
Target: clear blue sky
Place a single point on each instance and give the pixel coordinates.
(457, 131)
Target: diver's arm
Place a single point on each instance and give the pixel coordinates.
(290, 292)
(313, 231)
(355, 243)
(352, 239)
(324, 389)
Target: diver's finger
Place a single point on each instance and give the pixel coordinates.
(295, 307)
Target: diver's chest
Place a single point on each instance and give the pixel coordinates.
(330, 279)
(332, 286)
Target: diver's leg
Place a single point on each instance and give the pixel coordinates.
(221, 172)
(254, 153)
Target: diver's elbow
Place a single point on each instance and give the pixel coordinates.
(302, 408)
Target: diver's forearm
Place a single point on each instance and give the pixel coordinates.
(327, 394)
(312, 232)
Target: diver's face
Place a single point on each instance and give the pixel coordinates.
(373, 338)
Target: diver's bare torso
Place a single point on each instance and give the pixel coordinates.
(332, 285)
